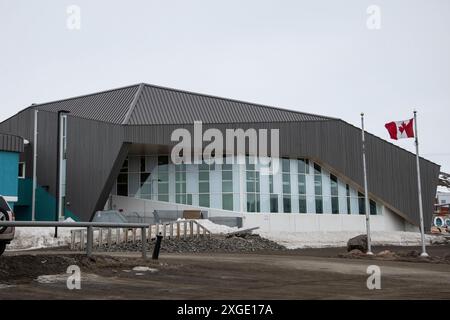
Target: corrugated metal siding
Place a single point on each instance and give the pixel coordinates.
(92, 150)
(109, 106)
(158, 105)
(22, 125)
(336, 144)
(47, 150)
(11, 143)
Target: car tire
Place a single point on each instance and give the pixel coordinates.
(3, 217)
(2, 247)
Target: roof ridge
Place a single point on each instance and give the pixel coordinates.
(239, 101)
(133, 103)
(82, 96)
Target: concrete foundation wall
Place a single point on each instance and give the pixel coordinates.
(277, 222)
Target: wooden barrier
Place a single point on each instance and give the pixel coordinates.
(177, 229)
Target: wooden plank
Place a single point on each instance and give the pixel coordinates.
(72, 239)
(82, 240)
(247, 230)
(192, 214)
(100, 237)
(109, 237)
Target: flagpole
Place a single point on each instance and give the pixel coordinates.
(419, 186)
(35, 145)
(366, 192)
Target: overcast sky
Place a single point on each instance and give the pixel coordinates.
(312, 56)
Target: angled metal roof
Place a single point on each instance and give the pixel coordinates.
(159, 105)
(145, 104)
(107, 106)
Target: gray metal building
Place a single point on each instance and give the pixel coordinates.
(103, 129)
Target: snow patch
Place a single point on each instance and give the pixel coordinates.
(443, 189)
(216, 228)
(322, 239)
(28, 238)
(52, 278)
(213, 227)
(58, 278)
(5, 286)
(145, 269)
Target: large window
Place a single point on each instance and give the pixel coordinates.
(273, 196)
(203, 185)
(227, 186)
(180, 184)
(163, 178)
(252, 177)
(362, 204)
(347, 188)
(286, 176)
(122, 180)
(303, 170)
(318, 188)
(145, 185)
(334, 194)
(301, 186)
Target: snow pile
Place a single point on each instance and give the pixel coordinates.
(212, 227)
(216, 228)
(339, 239)
(27, 238)
(145, 269)
(444, 182)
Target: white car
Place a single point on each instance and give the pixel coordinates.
(6, 233)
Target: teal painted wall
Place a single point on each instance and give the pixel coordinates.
(45, 203)
(9, 171)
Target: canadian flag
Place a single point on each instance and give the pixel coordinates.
(401, 129)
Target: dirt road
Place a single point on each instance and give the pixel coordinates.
(220, 276)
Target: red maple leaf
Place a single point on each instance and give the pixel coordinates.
(403, 127)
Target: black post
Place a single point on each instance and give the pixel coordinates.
(157, 247)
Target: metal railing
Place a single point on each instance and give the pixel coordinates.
(90, 229)
(181, 229)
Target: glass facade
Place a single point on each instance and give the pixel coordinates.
(299, 186)
(253, 184)
(227, 187)
(318, 188)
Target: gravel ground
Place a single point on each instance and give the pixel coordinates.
(403, 254)
(236, 243)
(221, 276)
(30, 266)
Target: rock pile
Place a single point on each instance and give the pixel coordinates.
(234, 243)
